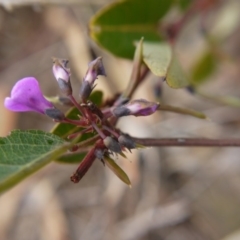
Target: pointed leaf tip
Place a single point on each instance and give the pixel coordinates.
(117, 170)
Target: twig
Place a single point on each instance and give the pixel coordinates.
(188, 142)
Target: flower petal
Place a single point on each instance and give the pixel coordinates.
(26, 96)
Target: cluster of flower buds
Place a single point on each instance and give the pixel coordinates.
(27, 96)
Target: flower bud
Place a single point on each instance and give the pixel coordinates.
(126, 141)
(95, 68)
(139, 107)
(85, 90)
(62, 75)
(26, 96)
(65, 101)
(55, 114)
(112, 144)
(99, 153)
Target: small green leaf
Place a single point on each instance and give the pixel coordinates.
(96, 97)
(117, 170)
(204, 67)
(24, 152)
(64, 129)
(184, 111)
(117, 26)
(160, 60)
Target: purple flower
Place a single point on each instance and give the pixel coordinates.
(26, 96)
(139, 107)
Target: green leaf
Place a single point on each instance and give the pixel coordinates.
(117, 170)
(204, 67)
(64, 129)
(117, 26)
(24, 152)
(160, 60)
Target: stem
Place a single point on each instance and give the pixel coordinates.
(88, 141)
(74, 122)
(73, 135)
(188, 142)
(76, 104)
(111, 131)
(198, 6)
(84, 166)
(100, 133)
(134, 84)
(181, 111)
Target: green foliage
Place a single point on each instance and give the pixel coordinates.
(161, 61)
(120, 24)
(24, 152)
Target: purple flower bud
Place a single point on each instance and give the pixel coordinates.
(26, 96)
(112, 144)
(60, 69)
(139, 107)
(95, 68)
(62, 75)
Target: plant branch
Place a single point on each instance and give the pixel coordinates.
(187, 142)
(185, 111)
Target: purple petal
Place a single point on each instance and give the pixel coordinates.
(26, 96)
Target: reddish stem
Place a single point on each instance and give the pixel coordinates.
(80, 109)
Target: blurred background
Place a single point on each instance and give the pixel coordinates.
(177, 193)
